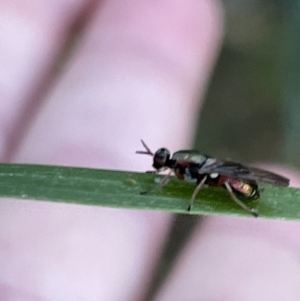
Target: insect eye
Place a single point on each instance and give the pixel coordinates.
(160, 158)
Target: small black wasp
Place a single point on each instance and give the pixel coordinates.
(190, 165)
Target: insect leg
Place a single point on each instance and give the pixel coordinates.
(162, 183)
(199, 186)
(240, 203)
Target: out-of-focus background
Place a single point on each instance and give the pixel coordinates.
(252, 107)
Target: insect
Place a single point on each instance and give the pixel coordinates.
(190, 165)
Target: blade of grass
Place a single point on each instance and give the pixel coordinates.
(122, 189)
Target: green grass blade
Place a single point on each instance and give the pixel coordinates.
(122, 189)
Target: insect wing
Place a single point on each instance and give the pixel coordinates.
(191, 156)
(237, 170)
(224, 167)
(267, 177)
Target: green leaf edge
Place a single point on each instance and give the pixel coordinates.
(121, 189)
